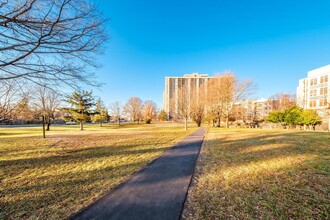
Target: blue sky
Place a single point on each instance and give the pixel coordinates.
(273, 43)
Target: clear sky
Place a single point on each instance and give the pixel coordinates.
(273, 43)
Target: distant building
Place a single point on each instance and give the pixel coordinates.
(313, 91)
(194, 82)
(262, 108)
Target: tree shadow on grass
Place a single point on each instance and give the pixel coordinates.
(263, 175)
(45, 194)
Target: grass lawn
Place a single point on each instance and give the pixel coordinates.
(261, 174)
(55, 177)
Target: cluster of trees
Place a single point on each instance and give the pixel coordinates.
(46, 44)
(42, 103)
(83, 108)
(295, 116)
(19, 104)
(218, 104)
(137, 110)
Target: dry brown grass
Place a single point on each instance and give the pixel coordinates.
(55, 177)
(260, 174)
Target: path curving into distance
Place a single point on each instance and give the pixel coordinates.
(158, 191)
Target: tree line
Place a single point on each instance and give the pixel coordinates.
(81, 106)
(295, 116)
(214, 103)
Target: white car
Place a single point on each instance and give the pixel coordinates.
(71, 123)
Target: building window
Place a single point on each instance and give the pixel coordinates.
(312, 104)
(324, 91)
(313, 92)
(324, 79)
(323, 103)
(313, 81)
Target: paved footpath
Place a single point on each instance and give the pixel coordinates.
(158, 191)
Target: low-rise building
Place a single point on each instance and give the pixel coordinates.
(313, 91)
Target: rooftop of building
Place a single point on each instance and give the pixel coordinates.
(319, 71)
(191, 75)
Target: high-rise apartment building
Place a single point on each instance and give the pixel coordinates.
(313, 91)
(194, 82)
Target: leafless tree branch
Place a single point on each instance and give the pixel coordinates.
(50, 41)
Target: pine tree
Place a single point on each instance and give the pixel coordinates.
(162, 115)
(101, 112)
(81, 107)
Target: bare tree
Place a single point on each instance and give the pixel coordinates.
(183, 104)
(23, 109)
(133, 108)
(283, 101)
(50, 41)
(149, 111)
(234, 91)
(8, 98)
(46, 102)
(116, 110)
(227, 90)
(214, 100)
(197, 107)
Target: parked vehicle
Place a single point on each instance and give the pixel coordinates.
(255, 125)
(71, 123)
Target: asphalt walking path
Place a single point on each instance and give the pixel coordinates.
(158, 191)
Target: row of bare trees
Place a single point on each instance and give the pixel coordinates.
(19, 104)
(44, 44)
(217, 101)
(137, 110)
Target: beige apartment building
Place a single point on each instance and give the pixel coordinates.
(313, 91)
(262, 108)
(194, 82)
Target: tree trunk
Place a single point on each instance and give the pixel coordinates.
(43, 127)
(81, 126)
(219, 121)
(100, 123)
(227, 122)
(48, 124)
(119, 122)
(185, 124)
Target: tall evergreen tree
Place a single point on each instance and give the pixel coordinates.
(162, 115)
(81, 107)
(101, 112)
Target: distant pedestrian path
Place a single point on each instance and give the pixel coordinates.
(156, 192)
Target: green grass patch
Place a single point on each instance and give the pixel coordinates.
(261, 174)
(55, 177)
